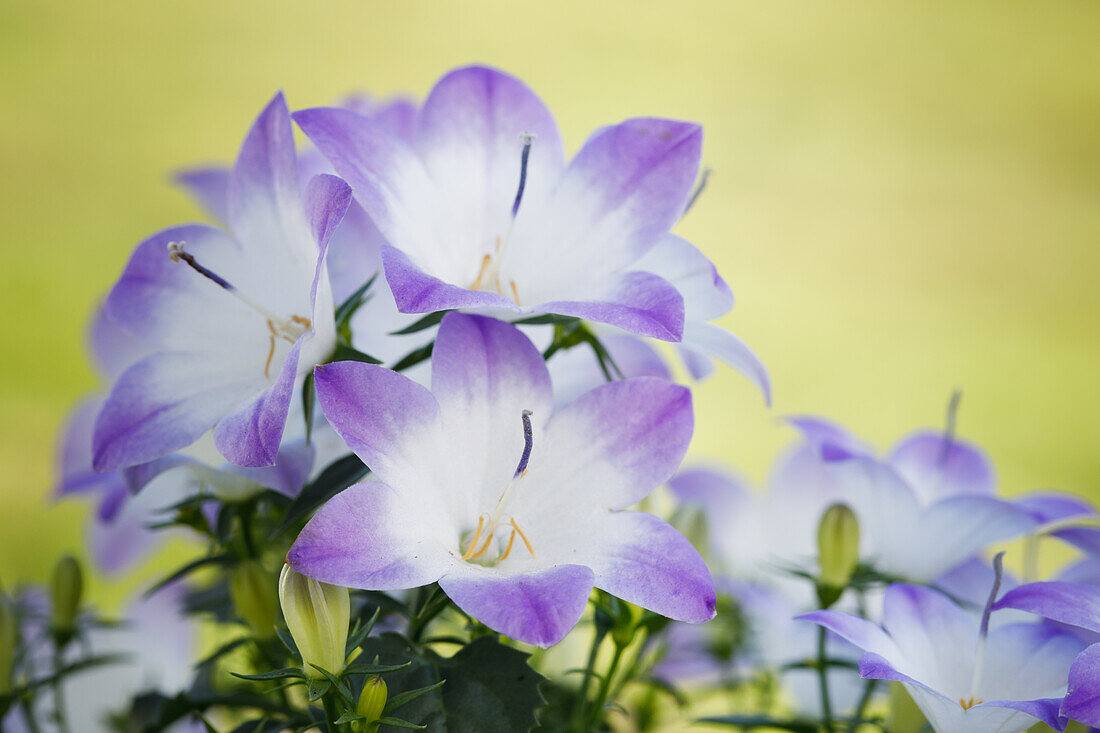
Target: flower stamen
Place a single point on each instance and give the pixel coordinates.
(508, 549)
(477, 536)
(967, 704)
(522, 536)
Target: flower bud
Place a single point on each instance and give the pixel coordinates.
(66, 590)
(9, 637)
(838, 546)
(372, 701)
(253, 591)
(317, 615)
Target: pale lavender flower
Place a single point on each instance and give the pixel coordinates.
(233, 322)
(963, 675)
(514, 508)
(483, 212)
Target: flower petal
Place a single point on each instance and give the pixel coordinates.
(265, 200)
(645, 561)
(415, 291)
(1068, 603)
(164, 403)
(858, 631)
(251, 436)
(958, 527)
(113, 348)
(537, 608)
(1082, 702)
(639, 302)
(370, 537)
(469, 137)
(209, 186)
(292, 468)
(385, 417)
(719, 343)
(612, 446)
(706, 294)
(937, 466)
(485, 373)
(625, 189)
(575, 371)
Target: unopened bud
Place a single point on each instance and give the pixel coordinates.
(317, 615)
(66, 591)
(838, 546)
(253, 591)
(9, 636)
(372, 701)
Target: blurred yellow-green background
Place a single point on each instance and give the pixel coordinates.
(905, 199)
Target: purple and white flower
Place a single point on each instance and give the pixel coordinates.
(516, 510)
(232, 322)
(963, 675)
(481, 211)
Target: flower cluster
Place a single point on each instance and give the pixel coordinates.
(406, 391)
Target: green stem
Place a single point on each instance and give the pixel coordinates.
(605, 686)
(431, 608)
(329, 701)
(823, 678)
(58, 694)
(246, 531)
(582, 697)
(28, 713)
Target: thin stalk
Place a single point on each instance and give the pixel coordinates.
(605, 685)
(28, 713)
(331, 716)
(58, 694)
(823, 680)
(428, 611)
(582, 697)
(864, 700)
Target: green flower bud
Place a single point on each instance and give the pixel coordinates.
(66, 590)
(372, 701)
(253, 591)
(9, 637)
(317, 615)
(838, 547)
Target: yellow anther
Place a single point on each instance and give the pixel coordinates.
(967, 704)
(477, 536)
(508, 549)
(485, 547)
(522, 536)
(485, 262)
(270, 351)
(515, 293)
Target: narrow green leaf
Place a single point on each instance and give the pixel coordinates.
(414, 357)
(397, 723)
(309, 398)
(277, 674)
(421, 324)
(335, 681)
(344, 352)
(339, 475)
(222, 559)
(400, 699)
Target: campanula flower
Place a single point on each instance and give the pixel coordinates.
(963, 675)
(515, 509)
(232, 321)
(481, 211)
(1075, 605)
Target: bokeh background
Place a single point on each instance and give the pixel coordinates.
(905, 199)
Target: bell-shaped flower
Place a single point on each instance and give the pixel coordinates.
(482, 212)
(963, 675)
(515, 509)
(232, 322)
(1075, 605)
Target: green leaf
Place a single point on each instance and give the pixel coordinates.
(339, 475)
(69, 669)
(421, 324)
(751, 722)
(361, 632)
(400, 699)
(490, 689)
(222, 651)
(288, 641)
(277, 674)
(349, 716)
(222, 559)
(545, 319)
(398, 723)
(335, 681)
(347, 309)
(375, 668)
(318, 689)
(417, 672)
(344, 352)
(414, 357)
(309, 398)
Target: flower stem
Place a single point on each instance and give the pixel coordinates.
(331, 716)
(823, 679)
(605, 686)
(582, 695)
(864, 700)
(58, 694)
(28, 713)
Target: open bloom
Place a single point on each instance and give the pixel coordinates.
(481, 211)
(963, 676)
(1075, 605)
(232, 322)
(516, 510)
